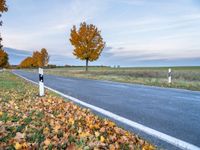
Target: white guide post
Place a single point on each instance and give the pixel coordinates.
(41, 82)
(169, 75)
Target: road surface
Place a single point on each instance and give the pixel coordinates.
(174, 112)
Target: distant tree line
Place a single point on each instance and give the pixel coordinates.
(72, 66)
(38, 59)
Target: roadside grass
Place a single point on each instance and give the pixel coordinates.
(182, 77)
(8, 84)
(28, 121)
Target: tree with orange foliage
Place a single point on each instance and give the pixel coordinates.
(45, 57)
(27, 63)
(41, 58)
(3, 58)
(3, 6)
(87, 41)
(3, 55)
(38, 59)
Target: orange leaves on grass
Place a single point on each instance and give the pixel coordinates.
(47, 142)
(21, 146)
(50, 122)
(1, 113)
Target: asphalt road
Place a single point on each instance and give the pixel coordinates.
(174, 112)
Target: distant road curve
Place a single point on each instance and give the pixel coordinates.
(174, 112)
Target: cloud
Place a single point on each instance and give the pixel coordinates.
(142, 30)
(34, 36)
(130, 2)
(78, 12)
(155, 52)
(152, 24)
(157, 38)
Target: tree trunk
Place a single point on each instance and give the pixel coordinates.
(86, 67)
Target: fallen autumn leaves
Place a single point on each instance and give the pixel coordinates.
(31, 122)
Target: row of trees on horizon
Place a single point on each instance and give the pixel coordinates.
(87, 42)
(38, 59)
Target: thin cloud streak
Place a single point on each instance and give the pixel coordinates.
(133, 29)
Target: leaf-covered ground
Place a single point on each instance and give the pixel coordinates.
(31, 122)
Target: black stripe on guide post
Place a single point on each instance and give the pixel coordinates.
(41, 78)
(169, 74)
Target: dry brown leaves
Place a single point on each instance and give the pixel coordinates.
(30, 122)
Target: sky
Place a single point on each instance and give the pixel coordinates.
(136, 32)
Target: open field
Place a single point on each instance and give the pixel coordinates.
(182, 77)
(50, 122)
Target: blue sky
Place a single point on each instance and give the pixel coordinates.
(137, 32)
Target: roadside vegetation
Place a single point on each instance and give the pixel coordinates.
(3, 59)
(87, 42)
(38, 59)
(3, 55)
(28, 121)
(182, 77)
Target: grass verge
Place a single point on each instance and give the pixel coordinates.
(182, 77)
(28, 121)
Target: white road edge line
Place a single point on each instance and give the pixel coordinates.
(162, 136)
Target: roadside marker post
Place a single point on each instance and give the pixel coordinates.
(169, 75)
(41, 82)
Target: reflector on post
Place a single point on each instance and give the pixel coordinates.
(41, 82)
(169, 75)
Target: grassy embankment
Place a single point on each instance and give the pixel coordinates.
(182, 77)
(28, 121)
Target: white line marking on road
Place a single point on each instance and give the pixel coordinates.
(162, 136)
(189, 98)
